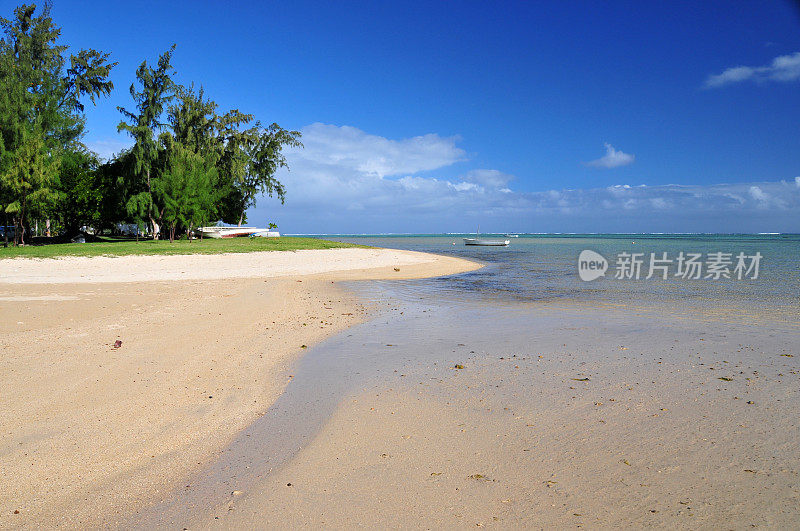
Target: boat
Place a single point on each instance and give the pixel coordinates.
(487, 243)
(236, 232)
(266, 234)
(477, 240)
(512, 235)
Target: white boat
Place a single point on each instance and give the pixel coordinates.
(512, 235)
(488, 243)
(236, 232)
(477, 240)
(266, 234)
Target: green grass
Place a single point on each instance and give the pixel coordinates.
(126, 247)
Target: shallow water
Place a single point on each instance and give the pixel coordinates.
(544, 268)
(528, 299)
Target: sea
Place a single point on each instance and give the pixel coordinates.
(542, 268)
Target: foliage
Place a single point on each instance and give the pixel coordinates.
(189, 164)
(157, 90)
(250, 158)
(79, 194)
(185, 188)
(40, 108)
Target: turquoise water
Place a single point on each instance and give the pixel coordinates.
(544, 268)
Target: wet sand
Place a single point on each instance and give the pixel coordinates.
(563, 415)
(94, 430)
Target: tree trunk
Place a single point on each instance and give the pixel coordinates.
(21, 220)
(150, 208)
(241, 217)
(155, 226)
(5, 228)
(47, 227)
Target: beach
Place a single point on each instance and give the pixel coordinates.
(94, 430)
(514, 265)
(602, 422)
(439, 395)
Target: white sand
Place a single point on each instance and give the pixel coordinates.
(92, 431)
(74, 269)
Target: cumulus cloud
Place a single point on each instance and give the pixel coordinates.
(782, 68)
(758, 194)
(333, 188)
(352, 148)
(612, 158)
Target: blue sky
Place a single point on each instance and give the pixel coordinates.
(520, 116)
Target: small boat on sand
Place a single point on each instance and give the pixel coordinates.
(477, 240)
(236, 232)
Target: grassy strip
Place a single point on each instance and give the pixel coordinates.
(126, 247)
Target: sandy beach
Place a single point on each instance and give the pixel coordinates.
(93, 431)
(303, 398)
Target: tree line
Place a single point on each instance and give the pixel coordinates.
(190, 164)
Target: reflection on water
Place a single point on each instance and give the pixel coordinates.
(544, 268)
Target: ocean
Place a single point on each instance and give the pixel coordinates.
(544, 269)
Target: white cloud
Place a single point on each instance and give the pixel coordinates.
(758, 194)
(619, 189)
(333, 188)
(660, 203)
(463, 186)
(489, 178)
(349, 147)
(612, 158)
(782, 68)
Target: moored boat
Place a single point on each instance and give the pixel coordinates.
(487, 242)
(236, 232)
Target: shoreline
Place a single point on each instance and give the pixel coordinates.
(591, 417)
(94, 431)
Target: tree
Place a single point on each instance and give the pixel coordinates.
(250, 158)
(245, 155)
(40, 107)
(194, 125)
(79, 192)
(185, 188)
(27, 177)
(157, 90)
(112, 182)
